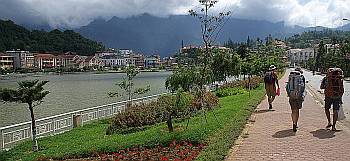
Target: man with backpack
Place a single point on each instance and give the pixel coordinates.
(296, 92)
(333, 89)
(271, 80)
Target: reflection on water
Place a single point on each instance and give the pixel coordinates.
(73, 92)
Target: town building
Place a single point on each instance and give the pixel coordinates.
(22, 59)
(300, 56)
(108, 52)
(138, 60)
(43, 61)
(169, 62)
(281, 44)
(331, 47)
(125, 52)
(113, 61)
(6, 61)
(152, 61)
(87, 62)
(66, 60)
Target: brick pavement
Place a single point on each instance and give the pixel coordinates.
(269, 135)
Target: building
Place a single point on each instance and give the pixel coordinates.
(22, 59)
(331, 47)
(113, 61)
(300, 56)
(109, 52)
(125, 52)
(93, 61)
(67, 60)
(138, 60)
(152, 61)
(43, 61)
(281, 44)
(169, 62)
(27, 60)
(6, 61)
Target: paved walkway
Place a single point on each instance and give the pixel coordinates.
(268, 135)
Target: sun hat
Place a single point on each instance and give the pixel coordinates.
(299, 70)
(272, 67)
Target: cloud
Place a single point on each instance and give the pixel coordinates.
(76, 13)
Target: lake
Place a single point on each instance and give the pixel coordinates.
(71, 92)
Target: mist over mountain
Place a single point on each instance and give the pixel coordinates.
(163, 35)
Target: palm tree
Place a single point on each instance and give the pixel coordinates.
(31, 93)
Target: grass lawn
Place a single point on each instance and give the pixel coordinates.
(218, 133)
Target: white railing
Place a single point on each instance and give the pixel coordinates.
(10, 135)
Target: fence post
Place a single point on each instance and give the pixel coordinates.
(76, 120)
(2, 140)
(53, 126)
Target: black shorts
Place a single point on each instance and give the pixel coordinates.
(332, 101)
(296, 103)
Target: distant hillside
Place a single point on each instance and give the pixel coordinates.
(13, 36)
(311, 37)
(150, 34)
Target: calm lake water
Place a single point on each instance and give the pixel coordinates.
(71, 92)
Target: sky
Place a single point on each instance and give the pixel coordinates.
(77, 13)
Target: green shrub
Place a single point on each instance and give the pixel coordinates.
(139, 117)
(254, 83)
(135, 118)
(210, 101)
(224, 92)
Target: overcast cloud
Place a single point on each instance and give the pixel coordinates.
(76, 13)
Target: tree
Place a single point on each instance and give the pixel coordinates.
(210, 27)
(243, 51)
(31, 93)
(180, 82)
(128, 85)
(320, 55)
(175, 106)
(225, 64)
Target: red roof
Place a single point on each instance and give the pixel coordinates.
(44, 55)
(3, 54)
(67, 56)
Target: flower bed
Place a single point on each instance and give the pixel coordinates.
(175, 151)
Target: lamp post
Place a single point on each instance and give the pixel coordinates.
(347, 61)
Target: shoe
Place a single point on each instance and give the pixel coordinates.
(270, 106)
(329, 125)
(333, 128)
(294, 128)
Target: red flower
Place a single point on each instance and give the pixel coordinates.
(116, 154)
(177, 159)
(164, 158)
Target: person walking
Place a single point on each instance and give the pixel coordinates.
(296, 92)
(271, 80)
(333, 89)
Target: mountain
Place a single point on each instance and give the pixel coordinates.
(163, 35)
(13, 36)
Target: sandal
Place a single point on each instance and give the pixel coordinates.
(329, 125)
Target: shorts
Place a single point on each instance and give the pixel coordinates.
(270, 90)
(332, 101)
(296, 104)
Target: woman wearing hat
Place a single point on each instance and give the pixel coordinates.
(271, 80)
